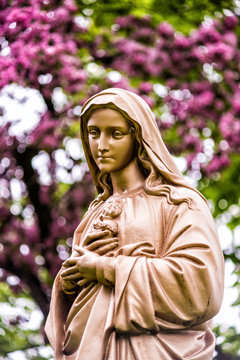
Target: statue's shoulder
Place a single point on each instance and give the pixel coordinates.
(184, 191)
(197, 200)
(177, 195)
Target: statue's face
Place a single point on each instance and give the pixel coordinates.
(110, 140)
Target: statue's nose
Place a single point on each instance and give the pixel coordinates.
(103, 143)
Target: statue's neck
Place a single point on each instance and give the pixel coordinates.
(127, 179)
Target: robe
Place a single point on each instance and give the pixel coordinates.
(158, 300)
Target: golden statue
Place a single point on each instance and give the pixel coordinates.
(145, 277)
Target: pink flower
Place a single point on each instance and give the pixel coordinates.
(128, 46)
(123, 21)
(190, 159)
(230, 38)
(146, 87)
(122, 84)
(230, 129)
(218, 163)
(171, 83)
(139, 58)
(192, 143)
(165, 30)
(230, 76)
(226, 122)
(46, 132)
(236, 101)
(7, 71)
(219, 104)
(230, 21)
(149, 100)
(145, 35)
(199, 53)
(200, 86)
(219, 51)
(205, 98)
(208, 34)
(3, 4)
(61, 14)
(182, 42)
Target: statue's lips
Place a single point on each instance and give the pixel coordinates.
(104, 158)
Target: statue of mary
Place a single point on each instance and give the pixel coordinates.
(145, 277)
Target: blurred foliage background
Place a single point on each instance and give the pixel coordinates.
(182, 57)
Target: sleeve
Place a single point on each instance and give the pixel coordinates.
(181, 289)
(54, 327)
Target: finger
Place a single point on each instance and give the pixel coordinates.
(69, 271)
(68, 285)
(80, 250)
(75, 253)
(103, 250)
(95, 235)
(69, 262)
(82, 282)
(72, 277)
(98, 243)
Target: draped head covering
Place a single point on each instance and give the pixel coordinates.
(133, 108)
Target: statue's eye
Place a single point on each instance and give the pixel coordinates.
(93, 133)
(116, 134)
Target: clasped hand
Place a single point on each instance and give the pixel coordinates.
(80, 268)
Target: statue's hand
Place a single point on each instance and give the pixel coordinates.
(100, 241)
(81, 269)
(92, 236)
(69, 287)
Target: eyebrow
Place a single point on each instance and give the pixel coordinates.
(110, 127)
